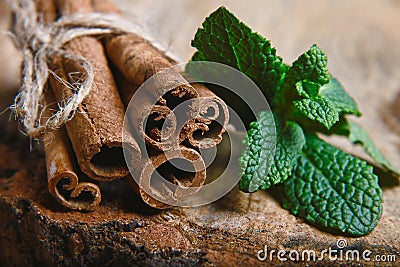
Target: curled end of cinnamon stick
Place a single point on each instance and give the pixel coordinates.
(159, 128)
(184, 171)
(72, 194)
(63, 182)
(107, 164)
(95, 130)
(213, 116)
(152, 121)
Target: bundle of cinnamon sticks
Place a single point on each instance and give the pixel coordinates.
(89, 147)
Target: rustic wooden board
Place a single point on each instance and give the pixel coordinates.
(363, 44)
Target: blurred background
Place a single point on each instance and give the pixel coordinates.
(361, 38)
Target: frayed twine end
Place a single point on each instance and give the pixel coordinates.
(39, 44)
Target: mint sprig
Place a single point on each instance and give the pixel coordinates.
(322, 184)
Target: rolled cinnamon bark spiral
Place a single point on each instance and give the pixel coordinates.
(213, 116)
(153, 122)
(187, 180)
(136, 66)
(138, 61)
(63, 182)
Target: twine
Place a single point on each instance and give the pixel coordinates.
(40, 43)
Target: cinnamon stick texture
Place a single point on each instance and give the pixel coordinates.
(155, 123)
(47, 11)
(137, 60)
(96, 129)
(203, 132)
(63, 183)
(189, 174)
(213, 116)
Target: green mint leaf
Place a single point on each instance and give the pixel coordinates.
(311, 66)
(318, 109)
(307, 89)
(358, 135)
(334, 190)
(289, 145)
(301, 89)
(343, 103)
(198, 56)
(224, 39)
(258, 153)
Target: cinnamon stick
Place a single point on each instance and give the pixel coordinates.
(213, 116)
(96, 129)
(155, 123)
(63, 183)
(138, 60)
(203, 132)
(187, 181)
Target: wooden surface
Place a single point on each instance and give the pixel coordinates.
(362, 40)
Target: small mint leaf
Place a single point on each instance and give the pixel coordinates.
(358, 135)
(224, 39)
(289, 145)
(303, 79)
(343, 102)
(307, 89)
(318, 109)
(258, 153)
(334, 190)
(311, 66)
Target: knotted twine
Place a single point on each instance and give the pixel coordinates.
(40, 43)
